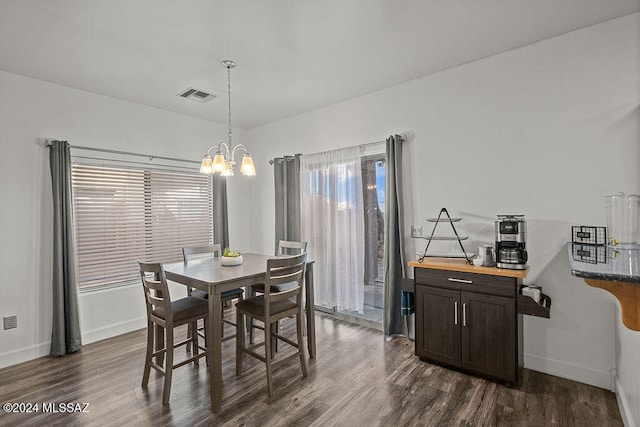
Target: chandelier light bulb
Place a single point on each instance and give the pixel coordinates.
(219, 163)
(205, 167)
(247, 167)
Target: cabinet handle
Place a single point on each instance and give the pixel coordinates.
(455, 314)
(451, 279)
(464, 314)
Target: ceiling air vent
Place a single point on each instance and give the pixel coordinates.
(196, 95)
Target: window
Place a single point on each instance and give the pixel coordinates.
(122, 214)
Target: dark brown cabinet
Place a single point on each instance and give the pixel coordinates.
(438, 336)
(468, 321)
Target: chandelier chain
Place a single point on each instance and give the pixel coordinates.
(229, 92)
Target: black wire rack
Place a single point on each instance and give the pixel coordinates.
(589, 235)
(430, 238)
(593, 254)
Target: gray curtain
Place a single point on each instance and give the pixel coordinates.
(286, 174)
(394, 261)
(220, 216)
(65, 331)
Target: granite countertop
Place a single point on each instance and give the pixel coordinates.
(604, 262)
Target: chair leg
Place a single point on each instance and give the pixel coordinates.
(274, 341)
(189, 335)
(149, 355)
(240, 298)
(267, 352)
(159, 343)
(193, 326)
(168, 367)
(252, 338)
(299, 329)
(250, 327)
(250, 321)
(222, 323)
(206, 339)
(239, 341)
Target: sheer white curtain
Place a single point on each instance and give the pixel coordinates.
(332, 223)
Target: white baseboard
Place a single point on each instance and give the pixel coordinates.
(569, 371)
(113, 330)
(623, 405)
(24, 354)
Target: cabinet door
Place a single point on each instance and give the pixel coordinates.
(489, 335)
(438, 324)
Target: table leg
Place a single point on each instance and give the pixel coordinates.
(215, 349)
(310, 311)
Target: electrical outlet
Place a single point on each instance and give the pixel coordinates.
(10, 322)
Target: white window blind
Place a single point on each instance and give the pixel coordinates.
(124, 214)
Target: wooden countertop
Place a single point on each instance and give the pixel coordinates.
(456, 264)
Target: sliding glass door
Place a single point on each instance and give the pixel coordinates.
(373, 183)
(342, 206)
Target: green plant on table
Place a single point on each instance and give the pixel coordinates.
(229, 253)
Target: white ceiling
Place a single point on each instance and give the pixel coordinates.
(293, 55)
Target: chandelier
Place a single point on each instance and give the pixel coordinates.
(224, 157)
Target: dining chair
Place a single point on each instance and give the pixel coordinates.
(285, 247)
(167, 314)
(200, 252)
(285, 273)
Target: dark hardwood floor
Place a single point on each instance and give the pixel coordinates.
(358, 379)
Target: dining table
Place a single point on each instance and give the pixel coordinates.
(209, 275)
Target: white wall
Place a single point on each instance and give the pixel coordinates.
(32, 110)
(546, 130)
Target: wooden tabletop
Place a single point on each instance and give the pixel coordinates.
(199, 273)
(457, 264)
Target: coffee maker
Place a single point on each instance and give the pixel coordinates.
(511, 241)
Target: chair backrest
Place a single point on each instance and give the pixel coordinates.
(288, 271)
(199, 251)
(286, 247)
(156, 291)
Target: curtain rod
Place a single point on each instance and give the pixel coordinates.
(287, 158)
(403, 138)
(126, 153)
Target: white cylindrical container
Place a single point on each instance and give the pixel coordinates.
(623, 219)
(533, 291)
